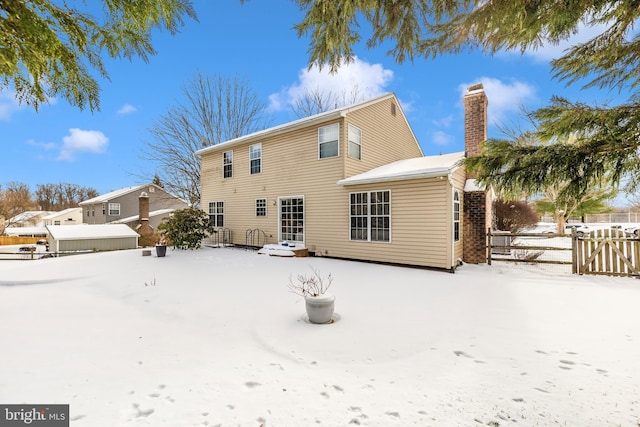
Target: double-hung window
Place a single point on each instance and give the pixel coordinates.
(227, 164)
(329, 141)
(370, 216)
(255, 158)
(456, 216)
(355, 142)
(216, 214)
(114, 209)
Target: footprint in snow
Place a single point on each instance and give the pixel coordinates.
(462, 353)
(566, 364)
(252, 384)
(142, 412)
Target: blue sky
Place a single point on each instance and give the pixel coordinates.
(256, 42)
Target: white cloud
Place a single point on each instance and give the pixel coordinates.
(44, 145)
(8, 104)
(504, 97)
(78, 141)
(365, 79)
(444, 121)
(549, 51)
(441, 138)
(127, 109)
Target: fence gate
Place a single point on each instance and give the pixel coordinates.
(607, 252)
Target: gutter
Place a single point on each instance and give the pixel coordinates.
(434, 173)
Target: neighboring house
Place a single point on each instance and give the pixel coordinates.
(85, 237)
(28, 219)
(26, 231)
(71, 216)
(122, 204)
(350, 183)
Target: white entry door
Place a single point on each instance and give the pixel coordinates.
(291, 215)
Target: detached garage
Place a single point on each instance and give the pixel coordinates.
(86, 237)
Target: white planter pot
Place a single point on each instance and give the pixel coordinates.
(320, 308)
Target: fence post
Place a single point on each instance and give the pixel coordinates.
(489, 243)
(574, 251)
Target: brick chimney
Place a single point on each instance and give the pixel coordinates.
(143, 208)
(475, 119)
(145, 230)
(477, 204)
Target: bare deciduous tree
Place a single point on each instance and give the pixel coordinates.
(14, 200)
(214, 109)
(318, 100)
(56, 197)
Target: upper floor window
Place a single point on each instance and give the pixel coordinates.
(355, 142)
(329, 141)
(255, 157)
(456, 216)
(114, 209)
(227, 164)
(216, 214)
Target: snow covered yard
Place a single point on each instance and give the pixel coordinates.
(213, 337)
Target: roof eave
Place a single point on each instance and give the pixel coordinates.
(274, 131)
(401, 177)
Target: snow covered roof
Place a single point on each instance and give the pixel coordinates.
(90, 231)
(137, 217)
(28, 216)
(117, 193)
(112, 195)
(419, 167)
(61, 213)
(471, 185)
(25, 231)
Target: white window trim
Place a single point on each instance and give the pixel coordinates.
(453, 216)
(326, 142)
(304, 218)
(216, 214)
(112, 207)
(225, 164)
(359, 143)
(369, 217)
(259, 144)
(266, 211)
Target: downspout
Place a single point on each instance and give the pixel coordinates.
(453, 243)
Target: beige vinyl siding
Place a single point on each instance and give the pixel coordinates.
(458, 178)
(421, 229)
(420, 226)
(385, 138)
(290, 167)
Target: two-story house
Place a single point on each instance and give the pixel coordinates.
(122, 206)
(349, 183)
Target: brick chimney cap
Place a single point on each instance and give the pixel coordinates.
(144, 194)
(478, 87)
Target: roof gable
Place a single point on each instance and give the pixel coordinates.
(121, 192)
(304, 123)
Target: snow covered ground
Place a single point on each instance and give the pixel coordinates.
(213, 337)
